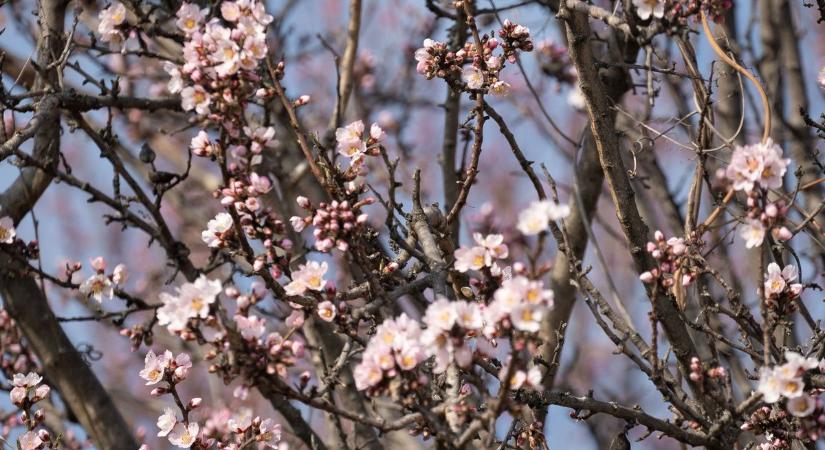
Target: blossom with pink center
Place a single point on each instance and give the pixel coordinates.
(758, 164)
(190, 17)
(7, 231)
(251, 327)
(537, 217)
(183, 435)
(327, 311)
(309, 276)
(647, 8)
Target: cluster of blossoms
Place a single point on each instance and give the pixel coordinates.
(190, 301)
(679, 10)
(351, 142)
(14, 354)
(489, 249)
(101, 285)
(698, 373)
(221, 56)
(536, 218)
(483, 73)
(309, 276)
(395, 349)
(781, 288)
(333, 222)
(7, 231)
(522, 379)
(788, 382)
(266, 226)
(518, 305)
(235, 429)
(173, 370)
(754, 169)
(715, 9)
(514, 38)
(759, 219)
(26, 392)
(757, 166)
(399, 345)
(111, 23)
(670, 256)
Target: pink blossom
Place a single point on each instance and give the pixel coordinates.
(190, 17)
(166, 421)
(216, 229)
(155, 366)
(30, 441)
(309, 276)
(537, 217)
(251, 327)
(757, 164)
(753, 232)
(327, 311)
(183, 435)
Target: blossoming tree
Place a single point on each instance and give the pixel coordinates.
(403, 225)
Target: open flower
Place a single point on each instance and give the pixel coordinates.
(183, 435)
(536, 217)
(753, 232)
(473, 76)
(7, 232)
(166, 421)
(758, 164)
(309, 276)
(154, 367)
(327, 311)
(647, 8)
(217, 229)
(97, 286)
